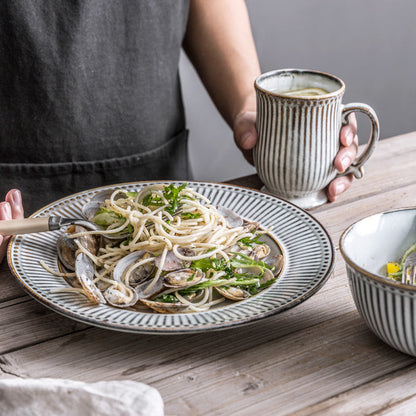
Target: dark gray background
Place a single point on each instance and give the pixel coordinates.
(370, 44)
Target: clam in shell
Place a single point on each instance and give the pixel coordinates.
(183, 278)
(140, 274)
(121, 297)
(233, 293)
(165, 307)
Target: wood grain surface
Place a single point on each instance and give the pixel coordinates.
(318, 358)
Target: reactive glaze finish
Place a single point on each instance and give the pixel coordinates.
(388, 307)
(299, 135)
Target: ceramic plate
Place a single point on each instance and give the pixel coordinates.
(306, 246)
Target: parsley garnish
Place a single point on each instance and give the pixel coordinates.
(190, 216)
(249, 241)
(170, 193)
(167, 299)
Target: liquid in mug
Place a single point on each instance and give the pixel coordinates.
(308, 92)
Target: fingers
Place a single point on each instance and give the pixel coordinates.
(338, 186)
(14, 198)
(346, 156)
(348, 132)
(11, 208)
(349, 144)
(5, 214)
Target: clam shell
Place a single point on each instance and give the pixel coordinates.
(233, 293)
(127, 261)
(233, 219)
(163, 307)
(144, 293)
(172, 262)
(183, 278)
(118, 299)
(84, 269)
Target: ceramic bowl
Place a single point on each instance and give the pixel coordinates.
(388, 307)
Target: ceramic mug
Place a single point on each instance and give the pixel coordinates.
(298, 135)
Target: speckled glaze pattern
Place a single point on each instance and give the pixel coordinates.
(388, 311)
(299, 137)
(388, 307)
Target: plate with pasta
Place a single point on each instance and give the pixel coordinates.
(171, 257)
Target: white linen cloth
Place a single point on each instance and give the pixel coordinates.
(52, 397)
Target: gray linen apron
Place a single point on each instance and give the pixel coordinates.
(89, 95)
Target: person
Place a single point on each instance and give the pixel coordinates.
(91, 93)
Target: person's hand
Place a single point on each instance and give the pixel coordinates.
(10, 209)
(245, 136)
(346, 155)
(245, 133)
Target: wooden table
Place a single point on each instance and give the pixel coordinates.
(318, 358)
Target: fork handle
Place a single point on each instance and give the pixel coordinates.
(24, 226)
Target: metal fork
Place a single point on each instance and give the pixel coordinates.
(409, 269)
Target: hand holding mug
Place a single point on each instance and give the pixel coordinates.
(299, 119)
(245, 136)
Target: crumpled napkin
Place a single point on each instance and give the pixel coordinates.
(48, 396)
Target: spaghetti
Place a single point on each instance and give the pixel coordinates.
(176, 252)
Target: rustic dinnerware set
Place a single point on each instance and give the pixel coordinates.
(298, 140)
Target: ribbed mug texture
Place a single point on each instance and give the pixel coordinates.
(298, 140)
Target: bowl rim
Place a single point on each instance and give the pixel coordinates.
(389, 282)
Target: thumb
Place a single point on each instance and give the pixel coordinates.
(245, 134)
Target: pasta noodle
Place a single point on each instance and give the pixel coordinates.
(175, 252)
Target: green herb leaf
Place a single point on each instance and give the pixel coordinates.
(106, 217)
(190, 216)
(241, 260)
(207, 263)
(219, 282)
(171, 193)
(249, 241)
(152, 200)
(167, 299)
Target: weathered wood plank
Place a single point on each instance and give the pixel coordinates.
(9, 287)
(24, 322)
(392, 394)
(280, 377)
(337, 220)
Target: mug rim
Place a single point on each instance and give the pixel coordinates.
(300, 71)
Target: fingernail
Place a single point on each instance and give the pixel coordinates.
(339, 188)
(16, 197)
(5, 211)
(349, 137)
(245, 140)
(345, 162)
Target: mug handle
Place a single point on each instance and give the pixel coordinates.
(356, 167)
